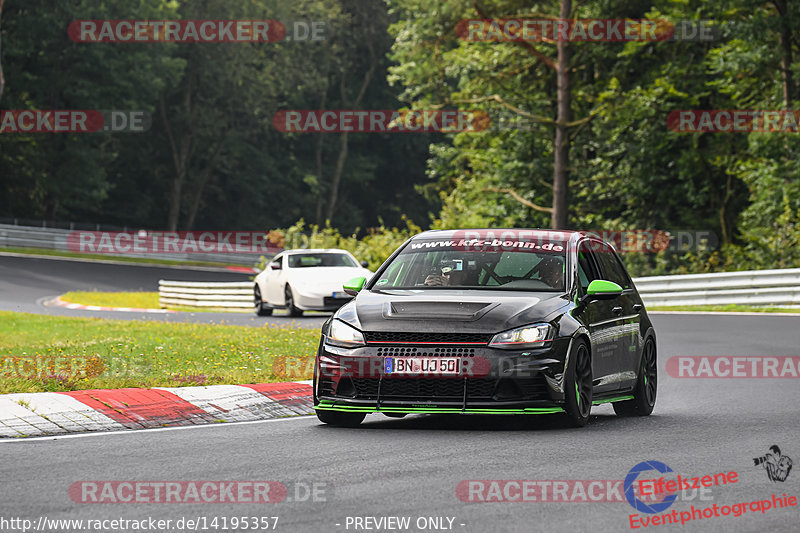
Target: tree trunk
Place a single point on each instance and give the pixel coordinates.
(723, 218)
(337, 176)
(175, 200)
(194, 205)
(786, 58)
(320, 177)
(2, 78)
(343, 139)
(197, 197)
(318, 148)
(51, 212)
(180, 158)
(561, 149)
(786, 75)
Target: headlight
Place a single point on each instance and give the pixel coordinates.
(341, 334)
(526, 336)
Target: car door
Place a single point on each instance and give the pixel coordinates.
(627, 309)
(272, 280)
(600, 321)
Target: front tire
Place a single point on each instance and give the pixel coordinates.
(293, 311)
(340, 419)
(258, 303)
(578, 385)
(644, 394)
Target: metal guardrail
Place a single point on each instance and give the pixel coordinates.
(750, 287)
(13, 236)
(235, 296)
(55, 224)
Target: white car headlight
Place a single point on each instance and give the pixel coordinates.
(526, 336)
(341, 334)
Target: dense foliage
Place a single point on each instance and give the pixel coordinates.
(212, 158)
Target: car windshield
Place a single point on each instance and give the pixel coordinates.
(321, 260)
(420, 265)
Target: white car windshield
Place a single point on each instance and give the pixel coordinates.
(321, 260)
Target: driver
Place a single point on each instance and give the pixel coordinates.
(452, 274)
(551, 271)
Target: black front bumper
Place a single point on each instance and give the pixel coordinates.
(499, 381)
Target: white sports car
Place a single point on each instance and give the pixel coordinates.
(306, 280)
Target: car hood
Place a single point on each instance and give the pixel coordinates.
(464, 311)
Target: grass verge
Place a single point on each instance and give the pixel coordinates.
(141, 300)
(729, 308)
(138, 300)
(42, 353)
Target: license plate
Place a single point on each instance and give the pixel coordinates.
(340, 295)
(415, 366)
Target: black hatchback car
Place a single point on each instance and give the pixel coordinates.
(489, 322)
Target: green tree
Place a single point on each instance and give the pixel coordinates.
(65, 175)
(2, 79)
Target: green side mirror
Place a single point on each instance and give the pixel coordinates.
(354, 286)
(601, 288)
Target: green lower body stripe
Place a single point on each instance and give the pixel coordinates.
(612, 400)
(328, 406)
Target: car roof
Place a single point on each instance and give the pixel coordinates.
(315, 251)
(560, 235)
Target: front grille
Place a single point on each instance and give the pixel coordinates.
(534, 388)
(391, 337)
(424, 388)
(425, 351)
(330, 302)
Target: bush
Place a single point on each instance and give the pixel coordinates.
(374, 248)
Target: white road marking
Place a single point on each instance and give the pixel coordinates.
(140, 431)
(49, 413)
(227, 402)
(37, 413)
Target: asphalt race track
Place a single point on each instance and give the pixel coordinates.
(411, 467)
(26, 283)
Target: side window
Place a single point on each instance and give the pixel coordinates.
(583, 278)
(393, 274)
(612, 267)
(588, 270)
